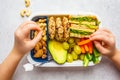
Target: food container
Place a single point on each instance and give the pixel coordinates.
(36, 18)
(48, 62)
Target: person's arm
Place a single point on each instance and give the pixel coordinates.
(7, 68)
(105, 42)
(22, 45)
(116, 58)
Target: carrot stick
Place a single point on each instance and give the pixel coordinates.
(86, 48)
(82, 39)
(90, 46)
(84, 42)
(82, 49)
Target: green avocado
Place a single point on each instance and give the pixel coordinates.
(57, 51)
(80, 31)
(85, 18)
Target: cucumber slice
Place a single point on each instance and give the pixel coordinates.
(85, 61)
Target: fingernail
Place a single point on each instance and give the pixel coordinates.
(90, 38)
(31, 24)
(41, 32)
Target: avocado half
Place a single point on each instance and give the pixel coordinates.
(57, 51)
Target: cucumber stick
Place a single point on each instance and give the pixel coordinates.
(89, 56)
(96, 52)
(96, 56)
(85, 61)
(95, 60)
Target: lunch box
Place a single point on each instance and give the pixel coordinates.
(48, 61)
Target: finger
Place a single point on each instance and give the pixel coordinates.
(25, 23)
(30, 27)
(103, 38)
(103, 30)
(101, 33)
(106, 30)
(99, 46)
(37, 38)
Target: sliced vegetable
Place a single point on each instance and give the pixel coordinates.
(90, 46)
(83, 18)
(82, 49)
(84, 42)
(86, 48)
(89, 56)
(85, 61)
(96, 56)
(78, 31)
(96, 52)
(95, 60)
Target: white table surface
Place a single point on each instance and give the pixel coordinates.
(108, 11)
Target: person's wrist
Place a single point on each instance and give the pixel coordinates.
(17, 52)
(115, 53)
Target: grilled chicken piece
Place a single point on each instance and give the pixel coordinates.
(59, 29)
(66, 28)
(51, 27)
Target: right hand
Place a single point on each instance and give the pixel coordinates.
(104, 41)
(23, 43)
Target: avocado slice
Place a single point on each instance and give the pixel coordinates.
(57, 51)
(81, 31)
(83, 18)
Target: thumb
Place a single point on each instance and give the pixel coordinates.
(100, 48)
(37, 38)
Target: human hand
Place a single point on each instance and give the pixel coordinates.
(104, 41)
(23, 43)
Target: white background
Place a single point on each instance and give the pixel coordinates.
(107, 10)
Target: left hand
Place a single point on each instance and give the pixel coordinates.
(104, 41)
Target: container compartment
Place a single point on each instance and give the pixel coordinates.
(40, 52)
